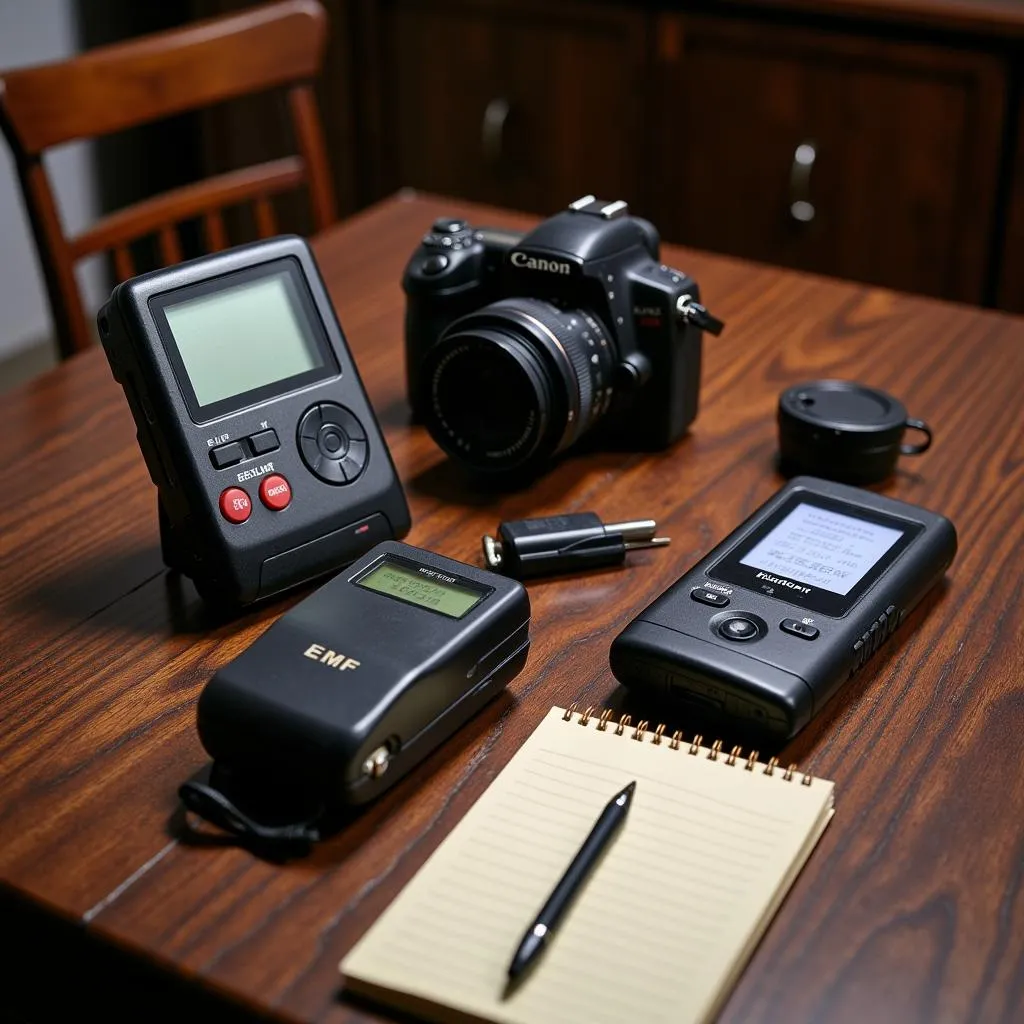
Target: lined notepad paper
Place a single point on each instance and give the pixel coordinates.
(667, 919)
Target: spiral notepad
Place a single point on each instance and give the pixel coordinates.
(712, 844)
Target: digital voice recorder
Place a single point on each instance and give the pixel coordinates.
(269, 464)
(361, 680)
(769, 625)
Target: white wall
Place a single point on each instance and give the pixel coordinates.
(34, 32)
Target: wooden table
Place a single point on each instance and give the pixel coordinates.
(912, 908)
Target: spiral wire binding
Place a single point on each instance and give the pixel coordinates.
(642, 727)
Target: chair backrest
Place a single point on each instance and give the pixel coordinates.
(117, 87)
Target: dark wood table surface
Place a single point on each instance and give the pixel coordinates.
(912, 907)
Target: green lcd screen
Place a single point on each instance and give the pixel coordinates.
(241, 338)
(411, 586)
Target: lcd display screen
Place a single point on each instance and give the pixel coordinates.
(406, 584)
(243, 337)
(822, 548)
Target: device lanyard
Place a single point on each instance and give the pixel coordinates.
(294, 838)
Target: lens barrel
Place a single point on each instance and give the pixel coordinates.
(516, 382)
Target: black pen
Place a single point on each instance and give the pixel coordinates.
(536, 938)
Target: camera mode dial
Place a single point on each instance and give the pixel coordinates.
(448, 235)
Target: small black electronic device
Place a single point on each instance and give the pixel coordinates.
(845, 431)
(574, 542)
(269, 464)
(518, 346)
(767, 627)
(360, 681)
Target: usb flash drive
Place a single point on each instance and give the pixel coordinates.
(528, 548)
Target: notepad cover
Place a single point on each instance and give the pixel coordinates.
(665, 922)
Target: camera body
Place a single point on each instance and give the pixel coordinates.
(617, 335)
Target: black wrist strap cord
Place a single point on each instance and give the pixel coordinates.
(213, 806)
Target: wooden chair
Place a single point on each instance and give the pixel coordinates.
(116, 87)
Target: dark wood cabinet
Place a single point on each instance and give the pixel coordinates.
(864, 159)
(876, 140)
(518, 103)
(1011, 265)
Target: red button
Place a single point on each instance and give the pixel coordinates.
(275, 492)
(235, 505)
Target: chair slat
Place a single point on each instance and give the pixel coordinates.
(266, 222)
(114, 87)
(310, 138)
(216, 233)
(189, 201)
(170, 245)
(124, 265)
(277, 45)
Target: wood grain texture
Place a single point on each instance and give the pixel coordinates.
(911, 910)
(694, 110)
(987, 17)
(452, 97)
(895, 201)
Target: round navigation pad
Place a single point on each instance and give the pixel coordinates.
(738, 627)
(332, 443)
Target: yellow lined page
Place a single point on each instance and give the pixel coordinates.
(666, 920)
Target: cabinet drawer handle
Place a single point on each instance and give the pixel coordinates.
(492, 130)
(801, 208)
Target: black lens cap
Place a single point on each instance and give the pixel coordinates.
(845, 431)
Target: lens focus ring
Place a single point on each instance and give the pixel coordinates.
(515, 382)
(582, 340)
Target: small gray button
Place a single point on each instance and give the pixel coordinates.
(797, 628)
(738, 629)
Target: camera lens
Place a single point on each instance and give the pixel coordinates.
(516, 382)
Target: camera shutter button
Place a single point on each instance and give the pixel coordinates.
(449, 226)
(434, 264)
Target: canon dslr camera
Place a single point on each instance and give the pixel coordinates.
(519, 345)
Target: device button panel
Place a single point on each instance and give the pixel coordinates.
(263, 442)
(275, 492)
(332, 442)
(801, 629)
(875, 636)
(709, 597)
(235, 505)
(226, 455)
(231, 454)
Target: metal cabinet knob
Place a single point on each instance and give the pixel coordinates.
(492, 129)
(800, 206)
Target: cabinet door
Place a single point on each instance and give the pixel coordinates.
(523, 104)
(1011, 276)
(860, 158)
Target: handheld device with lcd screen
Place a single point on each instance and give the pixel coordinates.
(362, 679)
(768, 626)
(269, 464)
